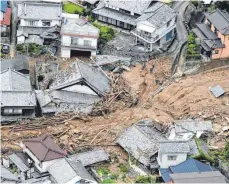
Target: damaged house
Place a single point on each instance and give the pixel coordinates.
(141, 140)
(75, 89)
(39, 22)
(78, 37)
(186, 129)
(17, 97)
(155, 26)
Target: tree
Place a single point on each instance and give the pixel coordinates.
(226, 154)
(222, 5)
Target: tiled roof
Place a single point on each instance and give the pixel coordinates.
(18, 162)
(206, 30)
(44, 148)
(220, 19)
(17, 63)
(174, 147)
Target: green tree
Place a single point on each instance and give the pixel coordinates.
(226, 154)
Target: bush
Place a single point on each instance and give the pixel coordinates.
(191, 38)
(108, 180)
(226, 152)
(145, 179)
(73, 8)
(103, 171)
(124, 167)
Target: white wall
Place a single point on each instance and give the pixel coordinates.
(165, 163)
(66, 40)
(181, 136)
(80, 89)
(65, 52)
(39, 23)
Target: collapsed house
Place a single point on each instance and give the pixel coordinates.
(18, 63)
(75, 89)
(78, 37)
(141, 140)
(37, 24)
(7, 176)
(17, 97)
(186, 129)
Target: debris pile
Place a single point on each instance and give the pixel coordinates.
(120, 96)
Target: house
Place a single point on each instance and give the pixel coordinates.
(55, 101)
(18, 63)
(186, 129)
(189, 166)
(78, 37)
(70, 172)
(196, 177)
(17, 97)
(89, 158)
(37, 24)
(5, 21)
(155, 26)
(82, 78)
(214, 35)
(141, 140)
(7, 176)
(18, 161)
(42, 152)
(121, 13)
(172, 153)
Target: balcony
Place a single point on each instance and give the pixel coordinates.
(80, 46)
(148, 38)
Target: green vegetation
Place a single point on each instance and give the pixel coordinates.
(222, 154)
(124, 167)
(145, 179)
(193, 48)
(73, 8)
(202, 155)
(32, 48)
(106, 32)
(103, 171)
(108, 180)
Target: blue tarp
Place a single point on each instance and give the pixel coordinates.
(3, 6)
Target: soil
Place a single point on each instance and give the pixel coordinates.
(188, 97)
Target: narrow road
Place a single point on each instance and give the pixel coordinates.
(14, 21)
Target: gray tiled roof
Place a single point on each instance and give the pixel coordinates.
(18, 162)
(189, 125)
(65, 170)
(220, 19)
(39, 11)
(14, 81)
(109, 59)
(114, 14)
(206, 30)
(213, 44)
(90, 157)
(141, 140)
(136, 6)
(80, 71)
(16, 63)
(174, 147)
(199, 177)
(158, 14)
(35, 39)
(7, 175)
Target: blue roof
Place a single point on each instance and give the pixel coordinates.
(191, 165)
(187, 166)
(3, 6)
(165, 174)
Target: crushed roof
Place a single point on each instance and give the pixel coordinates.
(79, 26)
(174, 147)
(217, 91)
(7, 175)
(65, 170)
(141, 140)
(90, 157)
(44, 148)
(109, 59)
(189, 125)
(17, 63)
(82, 72)
(220, 19)
(18, 162)
(39, 10)
(158, 14)
(197, 177)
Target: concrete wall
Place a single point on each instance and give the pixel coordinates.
(165, 163)
(66, 40)
(80, 89)
(38, 23)
(65, 52)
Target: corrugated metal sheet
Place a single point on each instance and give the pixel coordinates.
(217, 91)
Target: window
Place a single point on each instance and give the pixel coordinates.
(168, 23)
(87, 42)
(172, 157)
(32, 23)
(136, 15)
(215, 52)
(46, 23)
(124, 11)
(74, 41)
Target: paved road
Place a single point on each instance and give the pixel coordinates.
(13, 27)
